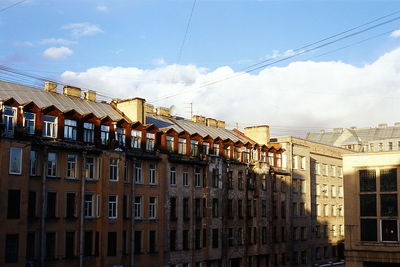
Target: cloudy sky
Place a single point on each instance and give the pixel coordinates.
(138, 48)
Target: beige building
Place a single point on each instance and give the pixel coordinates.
(371, 209)
(316, 200)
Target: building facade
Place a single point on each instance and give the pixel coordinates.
(371, 209)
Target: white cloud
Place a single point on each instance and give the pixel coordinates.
(159, 61)
(82, 29)
(395, 34)
(304, 93)
(102, 8)
(22, 44)
(57, 41)
(57, 52)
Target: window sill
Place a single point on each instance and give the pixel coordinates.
(70, 218)
(72, 179)
(91, 180)
(52, 219)
(35, 176)
(16, 174)
(53, 177)
(153, 219)
(153, 252)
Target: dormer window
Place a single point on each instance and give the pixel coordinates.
(120, 136)
(215, 150)
(263, 156)
(49, 126)
(88, 132)
(246, 155)
(70, 129)
(227, 151)
(150, 141)
(182, 146)
(206, 148)
(29, 123)
(170, 143)
(238, 153)
(104, 134)
(136, 136)
(9, 120)
(194, 148)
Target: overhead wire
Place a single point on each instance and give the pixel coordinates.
(12, 5)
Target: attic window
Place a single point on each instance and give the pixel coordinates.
(150, 141)
(70, 129)
(49, 126)
(170, 143)
(120, 132)
(9, 119)
(136, 136)
(194, 148)
(182, 146)
(104, 134)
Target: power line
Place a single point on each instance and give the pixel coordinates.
(12, 5)
(186, 32)
(301, 52)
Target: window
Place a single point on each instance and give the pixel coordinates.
(31, 204)
(230, 208)
(185, 178)
(51, 205)
(136, 138)
(30, 245)
(303, 163)
(302, 209)
(215, 207)
(215, 178)
(194, 148)
(88, 243)
(185, 239)
(215, 238)
(389, 230)
(295, 162)
(125, 210)
(317, 168)
(89, 205)
(333, 168)
(334, 230)
(70, 206)
(264, 235)
(71, 166)
(303, 186)
(152, 174)
(340, 193)
(150, 141)
(317, 189)
(318, 208)
(152, 207)
(12, 246)
(388, 180)
(152, 241)
(334, 213)
(69, 245)
(263, 208)
(279, 160)
(172, 240)
(197, 208)
(240, 208)
(15, 166)
(230, 179)
(70, 129)
(113, 169)
(126, 171)
(112, 207)
(294, 209)
(50, 245)
(388, 204)
(340, 172)
(182, 146)
(91, 168)
(49, 126)
(197, 177)
(303, 233)
(185, 208)
(227, 151)
(368, 230)
(264, 182)
(326, 210)
(138, 207)
(52, 164)
(263, 156)
(138, 172)
(367, 180)
(172, 208)
(215, 150)
(341, 230)
(104, 134)
(271, 158)
(29, 123)
(138, 242)
(240, 180)
(206, 148)
(333, 190)
(120, 136)
(88, 132)
(325, 191)
(172, 176)
(33, 163)
(169, 143)
(9, 120)
(112, 244)
(13, 206)
(240, 236)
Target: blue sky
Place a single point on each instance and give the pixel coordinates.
(74, 41)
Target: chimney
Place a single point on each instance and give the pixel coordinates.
(72, 91)
(50, 87)
(211, 122)
(382, 125)
(149, 109)
(133, 108)
(90, 95)
(163, 112)
(199, 119)
(259, 134)
(220, 124)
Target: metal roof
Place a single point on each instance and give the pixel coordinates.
(180, 124)
(23, 94)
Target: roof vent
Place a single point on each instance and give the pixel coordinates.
(50, 87)
(382, 125)
(72, 91)
(90, 95)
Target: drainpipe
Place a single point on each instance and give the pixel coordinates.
(82, 212)
(43, 213)
(132, 216)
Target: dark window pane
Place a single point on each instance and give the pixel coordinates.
(388, 180)
(368, 205)
(70, 205)
(389, 205)
(112, 244)
(51, 204)
(152, 241)
(172, 240)
(11, 253)
(368, 230)
(32, 205)
(138, 242)
(13, 204)
(215, 238)
(88, 243)
(389, 230)
(50, 246)
(69, 244)
(367, 180)
(30, 245)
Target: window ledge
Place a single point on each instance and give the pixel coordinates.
(71, 218)
(53, 177)
(35, 176)
(72, 179)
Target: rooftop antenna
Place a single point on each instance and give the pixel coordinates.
(190, 109)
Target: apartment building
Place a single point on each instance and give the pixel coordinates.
(88, 183)
(315, 199)
(371, 209)
(373, 139)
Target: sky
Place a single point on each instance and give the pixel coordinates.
(176, 52)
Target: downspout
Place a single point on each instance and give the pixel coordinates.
(43, 213)
(132, 216)
(82, 212)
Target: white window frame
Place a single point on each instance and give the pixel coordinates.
(114, 170)
(104, 134)
(91, 166)
(185, 178)
(138, 172)
(172, 176)
(70, 129)
(112, 207)
(88, 132)
(30, 129)
(9, 118)
(137, 207)
(120, 136)
(18, 157)
(136, 137)
(49, 127)
(150, 141)
(152, 208)
(53, 167)
(33, 163)
(71, 165)
(197, 178)
(152, 174)
(169, 143)
(182, 146)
